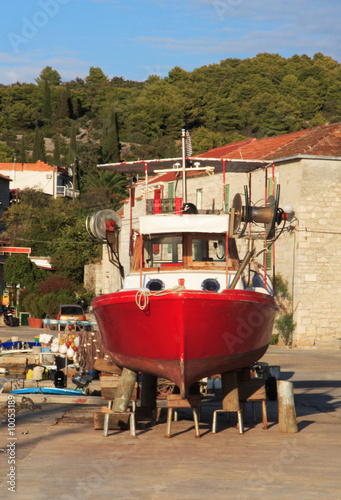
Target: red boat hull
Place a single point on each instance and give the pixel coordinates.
(188, 335)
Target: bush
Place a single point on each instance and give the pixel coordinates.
(31, 304)
(286, 325)
(85, 298)
(49, 303)
(54, 284)
(274, 339)
(65, 297)
(284, 322)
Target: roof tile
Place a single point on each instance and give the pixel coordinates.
(324, 140)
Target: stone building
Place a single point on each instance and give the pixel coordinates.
(307, 166)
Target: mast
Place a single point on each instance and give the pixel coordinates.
(184, 189)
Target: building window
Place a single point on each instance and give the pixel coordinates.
(227, 198)
(198, 199)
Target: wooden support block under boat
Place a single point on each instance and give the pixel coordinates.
(175, 401)
(107, 366)
(252, 390)
(230, 395)
(149, 391)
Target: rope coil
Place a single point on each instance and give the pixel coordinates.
(142, 296)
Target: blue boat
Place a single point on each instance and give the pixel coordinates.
(49, 390)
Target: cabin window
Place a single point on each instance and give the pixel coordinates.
(188, 250)
(208, 250)
(162, 251)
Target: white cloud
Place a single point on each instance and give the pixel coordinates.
(193, 46)
(10, 59)
(27, 69)
(243, 28)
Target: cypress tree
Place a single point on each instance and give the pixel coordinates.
(22, 153)
(73, 139)
(38, 147)
(56, 151)
(47, 108)
(73, 145)
(64, 106)
(110, 143)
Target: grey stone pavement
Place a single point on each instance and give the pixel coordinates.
(58, 454)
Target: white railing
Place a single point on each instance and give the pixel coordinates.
(66, 192)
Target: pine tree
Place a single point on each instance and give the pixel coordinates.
(110, 142)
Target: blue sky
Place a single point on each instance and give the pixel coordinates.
(135, 38)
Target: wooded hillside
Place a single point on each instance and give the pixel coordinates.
(97, 119)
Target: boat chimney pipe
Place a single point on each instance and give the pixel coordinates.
(184, 189)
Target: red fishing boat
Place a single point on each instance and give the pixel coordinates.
(185, 310)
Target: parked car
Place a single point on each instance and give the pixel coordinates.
(71, 312)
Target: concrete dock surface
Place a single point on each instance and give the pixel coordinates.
(58, 454)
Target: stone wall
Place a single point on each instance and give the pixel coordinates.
(317, 269)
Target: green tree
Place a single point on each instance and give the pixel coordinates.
(73, 145)
(73, 248)
(49, 75)
(96, 76)
(64, 105)
(110, 142)
(19, 270)
(22, 153)
(6, 153)
(38, 147)
(56, 151)
(73, 139)
(104, 188)
(53, 228)
(47, 108)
